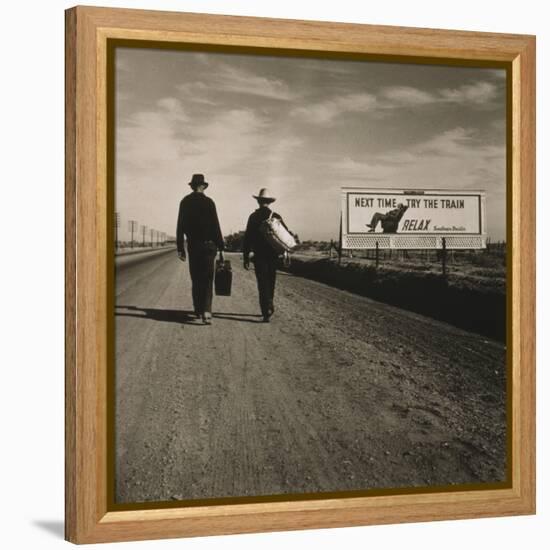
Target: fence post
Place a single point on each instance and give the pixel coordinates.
(377, 256)
(444, 256)
(340, 242)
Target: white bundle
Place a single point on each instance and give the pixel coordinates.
(277, 235)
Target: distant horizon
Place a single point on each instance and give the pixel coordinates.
(303, 128)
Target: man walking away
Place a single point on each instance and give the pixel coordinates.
(265, 256)
(198, 221)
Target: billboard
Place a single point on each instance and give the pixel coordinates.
(412, 218)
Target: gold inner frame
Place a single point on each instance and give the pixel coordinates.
(111, 45)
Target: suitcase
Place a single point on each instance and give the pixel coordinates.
(223, 277)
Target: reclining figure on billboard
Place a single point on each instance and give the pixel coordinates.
(390, 220)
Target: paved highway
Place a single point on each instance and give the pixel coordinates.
(337, 393)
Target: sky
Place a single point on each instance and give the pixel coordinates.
(304, 128)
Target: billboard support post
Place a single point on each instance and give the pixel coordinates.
(444, 256)
(340, 242)
(377, 254)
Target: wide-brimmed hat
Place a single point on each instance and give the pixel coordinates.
(198, 179)
(264, 195)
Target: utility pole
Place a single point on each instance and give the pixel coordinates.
(152, 232)
(132, 226)
(143, 231)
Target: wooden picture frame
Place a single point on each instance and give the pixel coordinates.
(88, 32)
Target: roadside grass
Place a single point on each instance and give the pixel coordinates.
(472, 295)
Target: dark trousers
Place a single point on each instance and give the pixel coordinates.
(389, 223)
(201, 267)
(377, 217)
(266, 273)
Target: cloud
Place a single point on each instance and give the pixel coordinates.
(460, 143)
(122, 65)
(173, 108)
(327, 111)
(196, 92)
(451, 143)
(228, 139)
(230, 79)
(240, 81)
(479, 93)
(459, 147)
(404, 96)
(499, 74)
(168, 134)
(145, 139)
(390, 98)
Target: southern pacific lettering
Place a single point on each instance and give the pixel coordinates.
(416, 225)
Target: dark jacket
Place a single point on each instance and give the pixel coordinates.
(390, 223)
(254, 241)
(198, 221)
(397, 213)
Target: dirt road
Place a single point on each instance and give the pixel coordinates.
(337, 393)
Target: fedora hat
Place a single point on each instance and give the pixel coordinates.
(198, 179)
(264, 195)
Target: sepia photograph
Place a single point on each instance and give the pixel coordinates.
(310, 276)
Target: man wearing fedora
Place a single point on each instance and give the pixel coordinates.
(198, 221)
(265, 256)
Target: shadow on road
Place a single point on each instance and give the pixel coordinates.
(243, 317)
(167, 315)
(180, 315)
